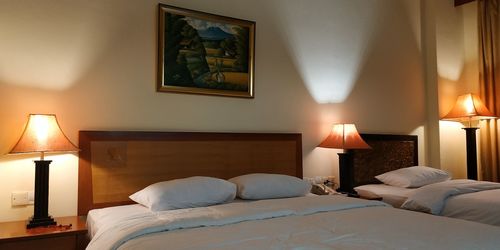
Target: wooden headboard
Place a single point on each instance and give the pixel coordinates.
(115, 164)
(389, 152)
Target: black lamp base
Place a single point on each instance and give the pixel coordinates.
(41, 215)
(41, 222)
(470, 138)
(346, 173)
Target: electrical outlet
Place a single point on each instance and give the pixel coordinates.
(21, 198)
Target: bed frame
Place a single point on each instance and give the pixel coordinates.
(115, 164)
(389, 152)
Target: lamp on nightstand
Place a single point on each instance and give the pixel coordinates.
(469, 107)
(42, 134)
(346, 137)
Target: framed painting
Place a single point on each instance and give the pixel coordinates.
(201, 53)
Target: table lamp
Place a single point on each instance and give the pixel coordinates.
(467, 108)
(42, 134)
(346, 137)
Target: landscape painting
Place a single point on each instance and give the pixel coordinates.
(202, 53)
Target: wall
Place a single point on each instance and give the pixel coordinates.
(458, 73)
(93, 64)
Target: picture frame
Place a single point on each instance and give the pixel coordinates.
(202, 53)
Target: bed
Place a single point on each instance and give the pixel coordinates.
(113, 165)
(464, 199)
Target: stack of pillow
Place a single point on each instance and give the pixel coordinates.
(399, 184)
(199, 191)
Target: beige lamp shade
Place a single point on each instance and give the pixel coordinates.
(43, 134)
(469, 107)
(344, 136)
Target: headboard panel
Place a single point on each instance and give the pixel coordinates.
(389, 152)
(114, 164)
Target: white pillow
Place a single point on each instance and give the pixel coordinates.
(197, 191)
(270, 186)
(413, 177)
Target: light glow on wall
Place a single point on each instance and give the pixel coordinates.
(329, 63)
(453, 150)
(449, 42)
(450, 64)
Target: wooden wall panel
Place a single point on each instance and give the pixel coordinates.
(114, 165)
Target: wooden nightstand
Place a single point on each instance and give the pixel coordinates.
(14, 235)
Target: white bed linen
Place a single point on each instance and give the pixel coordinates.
(313, 222)
(432, 198)
(481, 207)
(394, 196)
(462, 199)
(111, 236)
(98, 218)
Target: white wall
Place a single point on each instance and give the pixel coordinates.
(458, 74)
(93, 64)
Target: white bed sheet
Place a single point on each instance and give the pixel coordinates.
(465, 199)
(354, 229)
(98, 218)
(394, 196)
(309, 223)
(481, 206)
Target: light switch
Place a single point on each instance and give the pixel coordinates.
(21, 198)
(31, 197)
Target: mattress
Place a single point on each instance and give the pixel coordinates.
(313, 222)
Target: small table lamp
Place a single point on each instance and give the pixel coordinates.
(42, 134)
(469, 107)
(345, 136)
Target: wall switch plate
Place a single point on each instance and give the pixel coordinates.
(31, 197)
(22, 198)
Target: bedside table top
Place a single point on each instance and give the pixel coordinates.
(17, 229)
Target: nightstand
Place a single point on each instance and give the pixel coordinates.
(14, 235)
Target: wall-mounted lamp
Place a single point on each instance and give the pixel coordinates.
(42, 134)
(468, 108)
(345, 136)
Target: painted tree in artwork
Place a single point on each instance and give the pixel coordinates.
(242, 42)
(228, 45)
(197, 65)
(175, 66)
